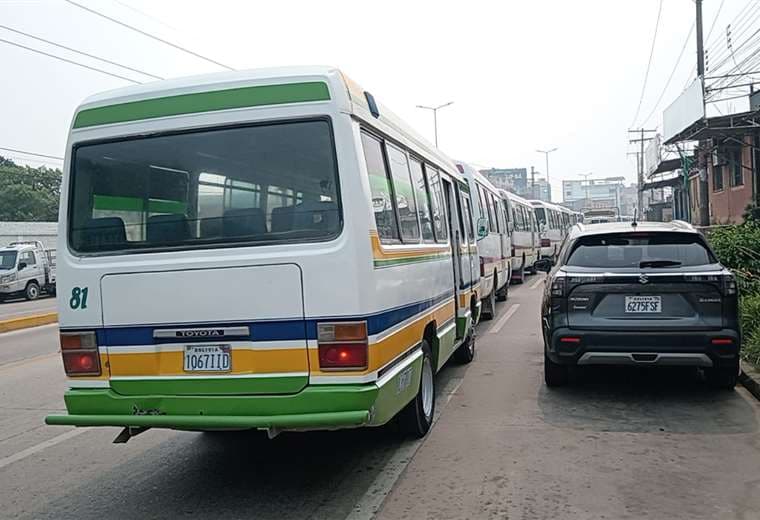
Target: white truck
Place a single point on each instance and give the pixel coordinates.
(26, 269)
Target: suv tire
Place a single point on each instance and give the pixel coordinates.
(554, 373)
(723, 377)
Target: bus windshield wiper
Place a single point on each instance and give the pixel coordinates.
(659, 263)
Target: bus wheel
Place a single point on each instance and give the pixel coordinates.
(32, 291)
(521, 279)
(503, 293)
(466, 351)
(489, 308)
(417, 417)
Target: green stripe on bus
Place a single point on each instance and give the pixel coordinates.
(410, 260)
(108, 202)
(210, 386)
(203, 102)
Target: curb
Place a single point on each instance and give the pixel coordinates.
(26, 322)
(750, 379)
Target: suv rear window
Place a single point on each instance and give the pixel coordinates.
(252, 185)
(640, 250)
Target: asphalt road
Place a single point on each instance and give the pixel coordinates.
(18, 307)
(617, 444)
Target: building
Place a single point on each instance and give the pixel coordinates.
(597, 193)
(510, 179)
(722, 180)
(518, 181)
(45, 232)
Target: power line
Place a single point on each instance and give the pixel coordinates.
(144, 33)
(31, 153)
(649, 64)
(11, 29)
(70, 61)
(672, 73)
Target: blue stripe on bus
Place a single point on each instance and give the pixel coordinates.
(266, 330)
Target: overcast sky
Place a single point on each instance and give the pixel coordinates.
(522, 74)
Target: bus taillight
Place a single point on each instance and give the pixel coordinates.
(80, 354)
(343, 346)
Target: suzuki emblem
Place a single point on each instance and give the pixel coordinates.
(643, 278)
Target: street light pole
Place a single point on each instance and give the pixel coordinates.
(585, 178)
(548, 181)
(435, 117)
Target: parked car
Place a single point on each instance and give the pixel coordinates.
(647, 293)
(26, 269)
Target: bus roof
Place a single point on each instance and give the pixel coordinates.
(247, 89)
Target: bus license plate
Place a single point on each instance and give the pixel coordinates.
(643, 304)
(207, 358)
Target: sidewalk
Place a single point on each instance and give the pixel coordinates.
(624, 446)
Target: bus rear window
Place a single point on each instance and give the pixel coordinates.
(657, 250)
(263, 184)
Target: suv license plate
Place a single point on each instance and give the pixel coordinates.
(643, 304)
(207, 358)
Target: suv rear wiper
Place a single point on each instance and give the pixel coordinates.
(659, 263)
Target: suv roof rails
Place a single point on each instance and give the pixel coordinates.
(683, 224)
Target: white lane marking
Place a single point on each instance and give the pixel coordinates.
(26, 361)
(368, 506)
(499, 324)
(537, 283)
(27, 330)
(41, 446)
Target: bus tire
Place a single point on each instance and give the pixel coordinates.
(521, 278)
(489, 308)
(503, 293)
(466, 351)
(417, 416)
(32, 291)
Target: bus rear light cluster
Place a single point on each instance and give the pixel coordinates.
(545, 242)
(343, 345)
(80, 354)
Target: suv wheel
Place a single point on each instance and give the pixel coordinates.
(723, 377)
(554, 373)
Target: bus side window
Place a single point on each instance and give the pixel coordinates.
(439, 208)
(402, 187)
(423, 200)
(497, 217)
(468, 224)
(483, 205)
(380, 186)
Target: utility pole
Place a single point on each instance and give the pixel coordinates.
(704, 198)
(585, 178)
(435, 117)
(640, 165)
(548, 182)
(533, 182)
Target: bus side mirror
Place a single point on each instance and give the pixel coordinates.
(544, 264)
(482, 227)
(21, 266)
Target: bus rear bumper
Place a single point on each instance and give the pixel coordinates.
(314, 408)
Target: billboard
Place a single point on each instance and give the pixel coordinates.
(687, 109)
(652, 156)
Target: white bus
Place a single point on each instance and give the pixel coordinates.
(551, 227)
(525, 245)
(494, 243)
(265, 249)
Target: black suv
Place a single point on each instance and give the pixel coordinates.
(646, 293)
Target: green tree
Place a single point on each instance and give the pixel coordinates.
(28, 194)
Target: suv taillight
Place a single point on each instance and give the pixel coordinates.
(558, 287)
(727, 282)
(343, 345)
(80, 354)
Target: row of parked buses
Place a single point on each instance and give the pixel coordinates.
(272, 250)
